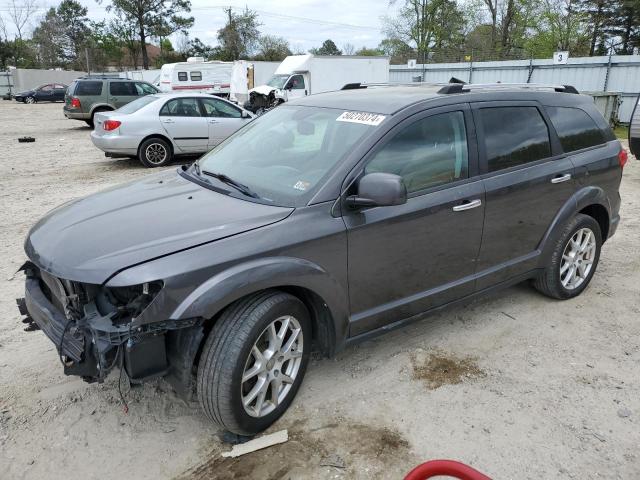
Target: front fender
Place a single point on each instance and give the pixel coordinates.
(584, 197)
(256, 275)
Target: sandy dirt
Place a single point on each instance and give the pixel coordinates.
(517, 385)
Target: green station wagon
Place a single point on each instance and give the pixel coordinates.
(88, 95)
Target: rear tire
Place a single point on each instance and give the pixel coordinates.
(155, 152)
(247, 378)
(574, 260)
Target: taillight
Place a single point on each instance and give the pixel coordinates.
(75, 103)
(109, 125)
(622, 157)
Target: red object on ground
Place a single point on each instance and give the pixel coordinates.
(451, 468)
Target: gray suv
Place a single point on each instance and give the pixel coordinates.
(324, 222)
(89, 95)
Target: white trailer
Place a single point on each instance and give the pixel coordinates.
(246, 74)
(300, 75)
(196, 75)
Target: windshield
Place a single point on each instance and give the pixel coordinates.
(136, 105)
(278, 81)
(284, 155)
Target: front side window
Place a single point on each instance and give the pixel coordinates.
(89, 88)
(181, 107)
(514, 136)
(285, 155)
(196, 76)
(296, 82)
(217, 108)
(182, 76)
(429, 152)
(125, 89)
(575, 128)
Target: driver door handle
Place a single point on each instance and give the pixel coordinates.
(168, 120)
(213, 121)
(467, 205)
(563, 178)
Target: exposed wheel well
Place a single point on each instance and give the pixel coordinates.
(321, 320)
(600, 215)
(103, 108)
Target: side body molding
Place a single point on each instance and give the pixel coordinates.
(229, 285)
(584, 197)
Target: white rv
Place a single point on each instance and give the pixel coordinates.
(300, 75)
(196, 75)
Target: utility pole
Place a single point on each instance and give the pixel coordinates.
(86, 53)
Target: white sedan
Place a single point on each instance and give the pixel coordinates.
(155, 128)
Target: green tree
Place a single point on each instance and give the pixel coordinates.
(74, 32)
(152, 17)
(369, 52)
(47, 37)
(272, 48)
(197, 48)
(328, 48)
(239, 37)
(398, 50)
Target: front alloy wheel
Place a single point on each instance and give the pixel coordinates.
(253, 361)
(30, 100)
(272, 366)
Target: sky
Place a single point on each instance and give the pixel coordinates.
(304, 23)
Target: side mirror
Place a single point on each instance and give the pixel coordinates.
(244, 114)
(379, 190)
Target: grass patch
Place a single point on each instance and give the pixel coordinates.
(622, 132)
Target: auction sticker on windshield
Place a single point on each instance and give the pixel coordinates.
(361, 117)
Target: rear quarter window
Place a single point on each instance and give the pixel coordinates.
(182, 76)
(575, 128)
(89, 88)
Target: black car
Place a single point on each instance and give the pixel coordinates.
(324, 222)
(50, 92)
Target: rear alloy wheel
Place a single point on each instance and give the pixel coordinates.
(155, 152)
(574, 259)
(253, 361)
(30, 100)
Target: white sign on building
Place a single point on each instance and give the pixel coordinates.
(560, 58)
(412, 63)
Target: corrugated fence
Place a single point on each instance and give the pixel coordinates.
(618, 73)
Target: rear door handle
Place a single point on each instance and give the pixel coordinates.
(213, 121)
(563, 178)
(467, 205)
(168, 120)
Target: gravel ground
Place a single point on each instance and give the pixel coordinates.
(517, 385)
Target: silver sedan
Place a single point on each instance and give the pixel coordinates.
(155, 128)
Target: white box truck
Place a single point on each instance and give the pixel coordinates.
(300, 75)
(196, 75)
(247, 74)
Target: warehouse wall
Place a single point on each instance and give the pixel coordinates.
(618, 73)
(28, 78)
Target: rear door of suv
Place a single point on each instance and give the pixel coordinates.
(527, 180)
(121, 93)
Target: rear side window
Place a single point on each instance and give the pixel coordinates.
(196, 76)
(181, 107)
(89, 88)
(430, 152)
(182, 76)
(575, 128)
(514, 136)
(127, 89)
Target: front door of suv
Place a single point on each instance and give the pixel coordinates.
(527, 180)
(408, 258)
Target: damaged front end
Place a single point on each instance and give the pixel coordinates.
(261, 101)
(94, 327)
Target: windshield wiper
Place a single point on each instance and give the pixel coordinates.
(230, 181)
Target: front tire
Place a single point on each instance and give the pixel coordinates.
(253, 361)
(574, 260)
(30, 100)
(155, 152)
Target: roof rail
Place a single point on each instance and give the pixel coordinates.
(460, 88)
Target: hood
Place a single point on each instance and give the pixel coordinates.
(90, 239)
(263, 89)
(26, 92)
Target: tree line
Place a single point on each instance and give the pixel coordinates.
(137, 33)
